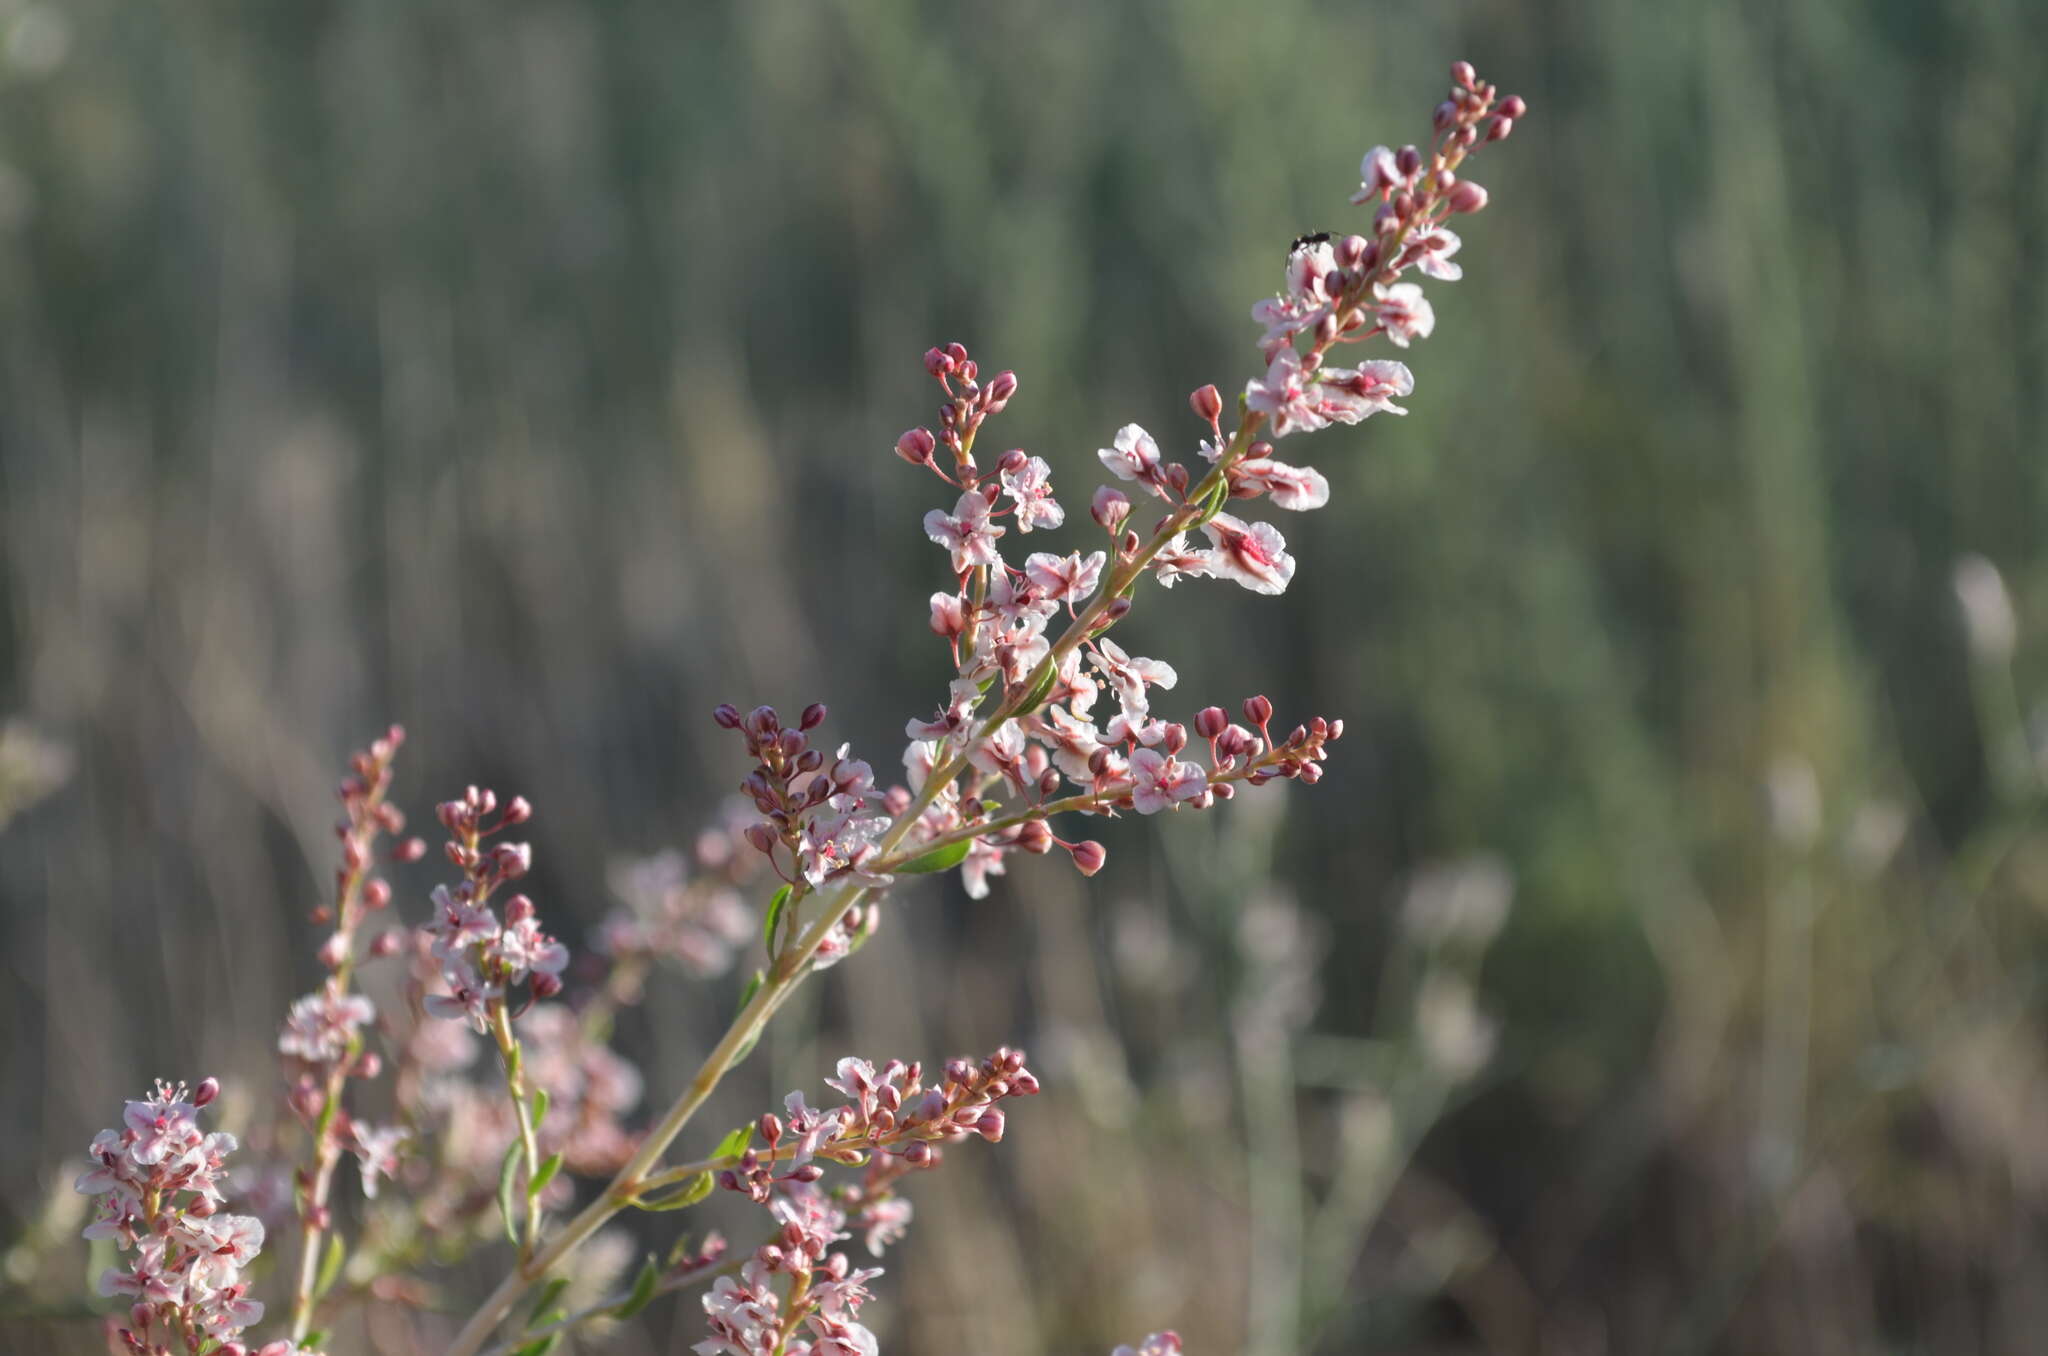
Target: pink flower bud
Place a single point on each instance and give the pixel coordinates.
(990, 1126)
(377, 894)
(546, 985)
(1000, 390)
(1110, 508)
(938, 362)
(1513, 107)
(387, 943)
(761, 837)
(1467, 197)
(1034, 837)
(1446, 115)
(1174, 738)
(771, 1127)
(1463, 75)
(411, 850)
(1258, 710)
(727, 715)
(518, 812)
(518, 909)
(1499, 128)
(370, 1065)
(916, 446)
(208, 1089)
(1207, 403)
(918, 1155)
(1089, 856)
(1210, 721)
(334, 951)
(1408, 160)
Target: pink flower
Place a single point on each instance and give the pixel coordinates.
(321, 1026)
(1160, 782)
(1284, 396)
(1175, 561)
(966, 532)
(1432, 253)
(1292, 487)
(881, 1223)
(1065, 577)
(376, 1150)
(1158, 1344)
(983, 860)
(1350, 394)
(1134, 457)
(1030, 489)
(1378, 174)
(1130, 675)
(1254, 554)
(1405, 313)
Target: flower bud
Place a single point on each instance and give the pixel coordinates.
(208, 1089)
(545, 985)
(1467, 196)
(334, 951)
(1175, 738)
(1207, 403)
(1463, 75)
(1498, 129)
(518, 812)
(990, 1126)
(761, 837)
(809, 1172)
(1513, 107)
(377, 894)
(1088, 856)
(386, 943)
(1210, 721)
(1446, 115)
(1258, 710)
(1110, 508)
(370, 1065)
(411, 850)
(1035, 837)
(1408, 160)
(916, 446)
(727, 715)
(938, 362)
(1000, 389)
(518, 909)
(918, 1155)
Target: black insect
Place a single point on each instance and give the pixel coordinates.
(1318, 238)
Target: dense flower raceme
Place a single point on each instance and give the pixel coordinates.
(161, 1183)
(891, 1124)
(1037, 722)
(483, 956)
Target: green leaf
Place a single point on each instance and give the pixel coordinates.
(735, 1144)
(938, 859)
(313, 1340)
(774, 920)
(754, 983)
(549, 1293)
(508, 1181)
(643, 1289)
(540, 1346)
(1039, 689)
(550, 1165)
(540, 1106)
(330, 1265)
(691, 1192)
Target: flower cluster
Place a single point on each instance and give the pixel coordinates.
(160, 1182)
(695, 918)
(481, 956)
(891, 1124)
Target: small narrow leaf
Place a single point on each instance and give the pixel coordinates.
(330, 1265)
(1039, 691)
(735, 1144)
(754, 984)
(938, 859)
(540, 1346)
(691, 1192)
(774, 920)
(540, 1106)
(551, 1165)
(508, 1181)
(313, 1340)
(643, 1290)
(549, 1293)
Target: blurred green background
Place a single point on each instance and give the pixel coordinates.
(527, 372)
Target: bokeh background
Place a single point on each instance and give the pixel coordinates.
(527, 372)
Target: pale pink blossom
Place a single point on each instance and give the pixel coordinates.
(1065, 577)
(1130, 675)
(321, 1026)
(966, 532)
(1176, 561)
(1378, 174)
(1134, 457)
(1161, 782)
(983, 860)
(1405, 313)
(1291, 487)
(1030, 490)
(1347, 395)
(1432, 251)
(1254, 554)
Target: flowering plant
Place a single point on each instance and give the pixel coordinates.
(1037, 723)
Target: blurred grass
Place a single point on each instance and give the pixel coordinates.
(526, 372)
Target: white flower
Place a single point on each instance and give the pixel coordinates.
(1405, 313)
(1070, 577)
(1160, 782)
(1292, 487)
(1030, 489)
(1135, 457)
(966, 532)
(1254, 554)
